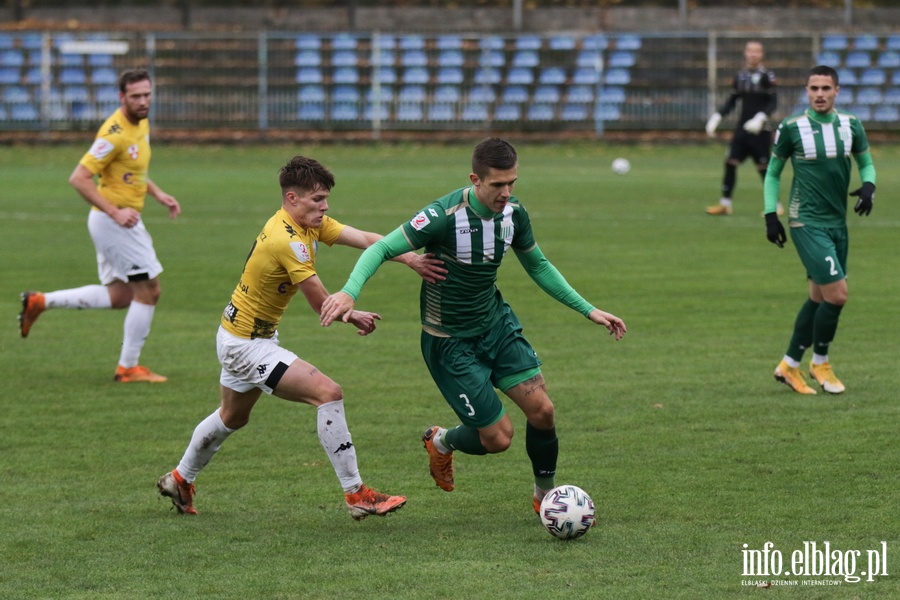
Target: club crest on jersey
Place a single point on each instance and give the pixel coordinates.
(100, 148)
(133, 151)
(419, 221)
(301, 251)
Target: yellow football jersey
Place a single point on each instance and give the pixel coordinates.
(283, 255)
(120, 155)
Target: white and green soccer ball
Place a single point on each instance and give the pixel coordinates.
(621, 166)
(567, 512)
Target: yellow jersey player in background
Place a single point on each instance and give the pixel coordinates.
(281, 262)
(126, 260)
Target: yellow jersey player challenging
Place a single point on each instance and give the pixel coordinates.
(281, 262)
(126, 260)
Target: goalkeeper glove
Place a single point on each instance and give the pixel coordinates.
(755, 124)
(866, 196)
(775, 230)
(713, 122)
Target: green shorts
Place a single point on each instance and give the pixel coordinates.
(823, 251)
(467, 370)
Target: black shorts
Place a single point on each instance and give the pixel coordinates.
(757, 145)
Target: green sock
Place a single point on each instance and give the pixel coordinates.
(825, 326)
(803, 330)
(465, 439)
(542, 447)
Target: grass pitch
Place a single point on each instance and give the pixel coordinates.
(688, 446)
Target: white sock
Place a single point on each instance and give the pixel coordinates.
(89, 296)
(137, 328)
(819, 359)
(206, 441)
(725, 202)
(791, 362)
(334, 435)
(438, 441)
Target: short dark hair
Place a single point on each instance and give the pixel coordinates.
(305, 174)
(823, 70)
(132, 76)
(493, 153)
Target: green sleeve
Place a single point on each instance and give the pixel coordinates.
(551, 280)
(392, 245)
(772, 184)
(866, 167)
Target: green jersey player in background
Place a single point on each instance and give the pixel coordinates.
(819, 143)
(471, 340)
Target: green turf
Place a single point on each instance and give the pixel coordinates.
(687, 445)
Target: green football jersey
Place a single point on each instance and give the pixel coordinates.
(467, 303)
(820, 154)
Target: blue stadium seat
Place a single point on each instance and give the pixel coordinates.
(508, 112)
(100, 60)
(515, 93)
(32, 41)
(345, 93)
(617, 77)
(34, 57)
(384, 75)
(607, 112)
(589, 58)
(6, 41)
(540, 112)
(411, 112)
(441, 111)
(307, 58)
(889, 59)
(586, 76)
(865, 42)
(552, 76)
(895, 77)
(873, 76)
(857, 59)
(628, 41)
(893, 41)
(346, 75)
(343, 41)
(16, 94)
(76, 93)
(487, 75)
(861, 111)
(311, 93)
(344, 58)
(829, 57)
(612, 94)
(71, 75)
(307, 41)
(834, 42)
(595, 42)
(4, 116)
(309, 75)
(525, 58)
(384, 57)
(411, 42)
(10, 75)
(475, 112)
(580, 94)
(413, 58)
(380, 110)
(547, 94)
(561, 42)
(104, 76)
(622, 59)
(23, 112)
(886, 113)
(447, 93)
(412, 93)
(32, 76)
(12, 58)
(449, 42)
(492, 58)
(847, 77)
(384, 41)
(482, 94)
(382, 94)
(575, 112)
(869, 95)
(450, 75)
(71, 60)
(344, 112)
(891, 96)
(845, 98)
(416, 75)
(520, 76)
(451, 58)
(528, 42)
(82, 111)
(491, 42)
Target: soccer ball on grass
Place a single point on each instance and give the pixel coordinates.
(621, 166)
(567, 512)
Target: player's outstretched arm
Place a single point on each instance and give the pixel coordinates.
(338, 306)
(613, 324)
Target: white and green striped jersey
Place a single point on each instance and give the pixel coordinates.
(467, 303)
(820, 149)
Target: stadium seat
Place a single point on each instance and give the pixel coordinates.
(895, 77)
(475, 112)
(857, 59)
(514, 94)
(552, 76)
(6, 41)
(861, 111)
(16, 94)
(622, 59)
(547, 94)
(482, 94)
(344, 58)
(416, 75)
(411, 42)
(561, 42)
(71, 60)
(345, 93)
(491, 42)
(893, 41)
(307, 41)
(344, 112)
(540, 112)
(628, 42)
(889, 59)
(451, 58)
(492, 58)
(595, 42)
(528, 42)
(612, 95)
(886, 114)
(487, 75)
(447, 93)
(607, 112)
(32, 41)
(104, 76)
(586, 76)
(873, 76)
(847, 77)
(343, 41)
(589, 58)
(384, 75)
(617, 77)
(834, 42)
(829, 57)
(384, 57)
(100, 60)
(891, 96)
(412, 93)
(4, 116)
(525, 58)
(380, 110)
(411, 112)
(845, 98)
(580, 94)
(309, 75)
(383, 41)
(869, 95)
(32, 76)
(75, 93)
(381, 94)
(449, 42)
(23, 112)
(12, 58)
(346, 75)
(575, 112)
(865, 42)
(520, 76)
(508, 112)
(34, 57)
(82, 111)
(450, 75)
(71, 75)
(414, 58)
(311, 93)
(10, 75)
(441, 112)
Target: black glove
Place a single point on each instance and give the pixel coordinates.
(866, 198)
(775, 230)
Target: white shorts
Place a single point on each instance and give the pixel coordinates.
(248, 364)
(123, 254)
